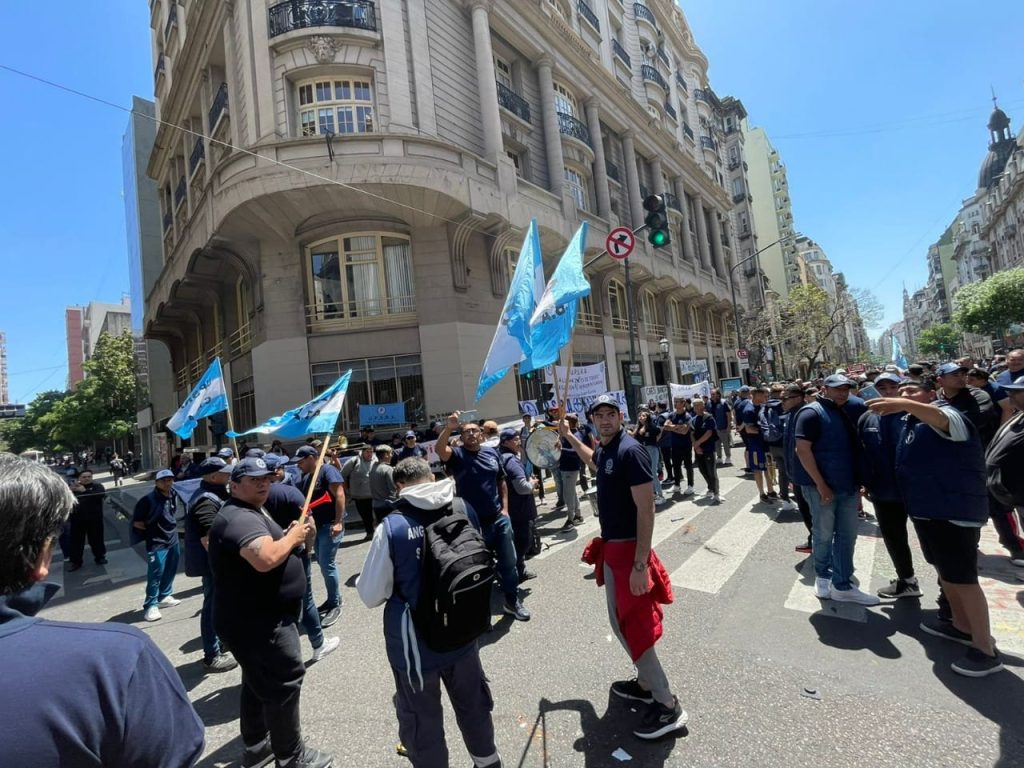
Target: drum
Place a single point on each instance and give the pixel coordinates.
(544, 448)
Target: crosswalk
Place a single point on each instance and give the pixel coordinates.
(742, 526)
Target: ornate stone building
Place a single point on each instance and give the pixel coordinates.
(345, 184)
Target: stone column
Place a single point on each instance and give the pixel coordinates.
(604, 203)
(552, 135)
(485, 81)
(395, 54)
(716, 243)
(688, 253)
(702, 233)
(636, 208)
(657, 180)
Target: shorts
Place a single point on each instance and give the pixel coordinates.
(951, 549)
(755, 453)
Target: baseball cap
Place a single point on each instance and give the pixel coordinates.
(891, 368)
(507, 434)
(211, 465)
(744, 390)
(838, 380)
(1016, 386)
(305, 452)
(255, 453)
(163, 474)
(273, 460)
(226, 453)
(251, 466)
(948, 368)
(892, 377)
(410, 433)
(605, 399)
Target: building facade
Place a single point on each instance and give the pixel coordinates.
(154, 376)
(76, 348)
(5, 390)
(83, 326)
(1002, 178)
(346, 185)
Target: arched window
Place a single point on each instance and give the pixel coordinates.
(576, 182)
(341, 104)
(617, 306)
(361, 275)
(565, 101)
(650, 307)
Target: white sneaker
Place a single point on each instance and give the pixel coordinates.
(152, 614)
(853, 595)
(688, 491)
(716, 499)
(169, 601)
(329, 644)
(787, 506)
(823, 588)
(659, 500)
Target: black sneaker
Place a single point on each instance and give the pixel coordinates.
(577, 519)
(257, 754)
(222, 662)
(660, 721)
(976, 663)
(946, 631)
(526, 576)
(310, 758)
(569, 526)
(101, 561)
(900, 588)
(330, 617)
(74, 566)
(515, 609)
(766, 499)
(323, 608)
(630, 689)
(772, 495)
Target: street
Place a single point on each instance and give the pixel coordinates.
(769, 675)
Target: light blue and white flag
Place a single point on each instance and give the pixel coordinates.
(897, 353)
(552, 322)
(208, 397)
(511, 342)
(318, 416)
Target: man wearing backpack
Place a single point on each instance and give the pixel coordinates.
(770, 421)
(400, 572)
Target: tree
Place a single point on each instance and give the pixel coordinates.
(993, 305)
(942, 339)
(19, 435)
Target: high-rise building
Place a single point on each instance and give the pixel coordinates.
(349, 190)
(1000, 181)
(83, 328)
(76, 348)
(773, 212)
(5, 392)
(155, 381)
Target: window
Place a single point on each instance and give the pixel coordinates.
(565, 102)
(737, 186)
(678, 313)
(577, 188)
(243, 403)
(376, 380)
(517, 161)
(364, 275)
(503, 72)
(617, 305)
(650, 308)
(335, 106)
(511, 257)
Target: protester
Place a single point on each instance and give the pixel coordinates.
(522, 511)
(979, 378)
(677, 425)
(1004, 459)
(409, 449)
(154, 521)
(87, 521)
(382, 484)
(705, 435)
(75, 694)
(1014, 367)
(392, 575)
(524, 435)
(356, 474)
(721, 410)
(480, 480)
(769, 419)
(118, 468)
(793, 398)
(756, 454)
(200, 513)
(636, 584)
(327, 505)
(567, 477)
(646, 433)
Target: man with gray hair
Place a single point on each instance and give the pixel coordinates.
(114, 698)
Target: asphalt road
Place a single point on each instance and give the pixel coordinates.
(769, 676)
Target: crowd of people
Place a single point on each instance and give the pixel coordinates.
(935, 446)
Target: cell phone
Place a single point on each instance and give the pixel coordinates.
(467, 416)
(870, 392)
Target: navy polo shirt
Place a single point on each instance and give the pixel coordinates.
(569, 461)
(680, 419)
(324, 513)
(720, 411)
(476, 476)
(621, 464)
(702, 424)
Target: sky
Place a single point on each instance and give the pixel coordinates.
(878, 109)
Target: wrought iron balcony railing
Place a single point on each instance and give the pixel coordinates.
(197, 156)
(641, 11)
(180, 192)
(681, 82)
(172, 19)
(651, 74)
(513, 102)
(588, 13)
(302, 14)
(688, 131)
(612, 170)
(619, 51)
(671, 111)
(570, 126)
(220, 101)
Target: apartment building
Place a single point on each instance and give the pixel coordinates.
(346, 185)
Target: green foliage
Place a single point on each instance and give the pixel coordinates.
(942, 339)
(19, 435)
(991, 306)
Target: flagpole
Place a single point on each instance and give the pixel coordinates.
(315, 474)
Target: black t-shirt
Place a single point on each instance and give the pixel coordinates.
(620, 465)
(476, 479)
(680, 420)
(701, 425)
(245, 599)
(647, 434)
(977, 406)
(284, 504)
(204, 509)
(90, 501)
(322, 501)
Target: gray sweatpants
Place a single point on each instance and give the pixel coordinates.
(649, 672)
(421, 717)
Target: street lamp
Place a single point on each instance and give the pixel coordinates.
(732, 283)
(663, 346)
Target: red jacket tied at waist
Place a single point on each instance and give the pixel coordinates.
(639, 616)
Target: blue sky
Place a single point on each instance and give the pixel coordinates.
(878, 108)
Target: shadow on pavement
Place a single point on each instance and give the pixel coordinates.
(601, 735)
(227, 754)
(217, 707)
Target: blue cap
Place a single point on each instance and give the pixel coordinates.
(250, 467)
(305, 452)
(226, 453)
(274, 460)
(507, 434)
(605, 399)
(255, 453)
(948, 368)
(839, 380)
(1016, 386)
(213, 464)
(895, 379)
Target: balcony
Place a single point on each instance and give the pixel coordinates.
(654, 330)
(160, 71)
(619, 323)
(172, 22)
(573, 128)
(613, 171)
(303, 14)
(220, 103)
(643, 13)
(664, 57)
(671, 111)
(652, 75)
(588, 321)
(363, 313)
(513, 102)
(671, 201)
(734, 163)
(198, 156)
(701, 95)
(708, 143)
(681, 335)
(744, 233)
(180, 192)
(681, 82)
(588, 13)
(688, 131)
(620, 52)
(739, 197)
(239, 342)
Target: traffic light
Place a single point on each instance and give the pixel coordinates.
(656, 221)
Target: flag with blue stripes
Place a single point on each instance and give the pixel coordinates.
(316, 417)
(208, 397)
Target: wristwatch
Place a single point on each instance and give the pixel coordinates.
(639, 566)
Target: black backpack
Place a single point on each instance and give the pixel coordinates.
(457, 572)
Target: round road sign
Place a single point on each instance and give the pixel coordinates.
(620, 242)
(742, 354)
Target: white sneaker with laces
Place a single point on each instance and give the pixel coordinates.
(688, 491)
(854, 595)
(329, 644)
(822, 588)
(152, 614)
(169, 601)
(787, 506)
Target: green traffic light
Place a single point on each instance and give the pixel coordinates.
(658, 238)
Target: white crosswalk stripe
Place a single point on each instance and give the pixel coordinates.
(801, 596)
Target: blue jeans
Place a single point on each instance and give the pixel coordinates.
(498, 537)
(211, 643)
(655, 453)
(833, 535)
(162, 565)
(310, 615)
(326, 551)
